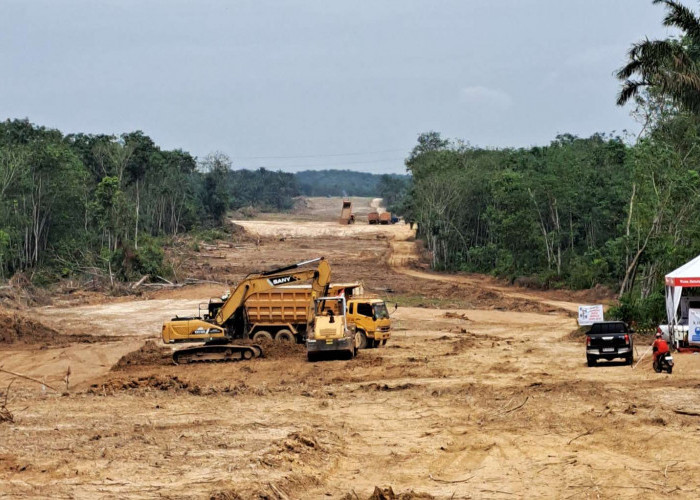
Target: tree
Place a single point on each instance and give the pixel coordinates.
(670, 67)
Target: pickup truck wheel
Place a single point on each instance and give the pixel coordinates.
(262, 336)
(285, 335)
(591, 360)
(630, 359)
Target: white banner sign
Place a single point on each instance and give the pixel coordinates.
(694, 326)
(587, 315)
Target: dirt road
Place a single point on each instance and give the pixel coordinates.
(488, 401)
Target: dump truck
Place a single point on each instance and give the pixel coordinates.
(346, 215)
(370, 317)
(385, 218)
(329, 331)
(226, 320)
(373, 217)
(282, 313)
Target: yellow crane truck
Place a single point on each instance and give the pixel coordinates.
(226, 320)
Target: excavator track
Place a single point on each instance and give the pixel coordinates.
(217, 353)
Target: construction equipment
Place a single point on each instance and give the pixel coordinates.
(346, 215)
(370, 318)
(226, 320)
(329, 331)
(385, 218)
(373, 218)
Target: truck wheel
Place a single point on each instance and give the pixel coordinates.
(285, 335)
(311, 356)
(591, 360)
(362, 341)
(630, 359)
(262, 336)
(384, 341)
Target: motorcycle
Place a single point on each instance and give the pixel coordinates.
(664, 362)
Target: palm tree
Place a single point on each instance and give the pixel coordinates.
(671, 66)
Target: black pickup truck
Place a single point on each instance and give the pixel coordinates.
(609, 340)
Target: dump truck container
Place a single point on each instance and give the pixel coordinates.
(282, 312)
(373, 218)
(346, 215)
(385, 218)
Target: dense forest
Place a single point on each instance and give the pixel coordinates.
(580, 211)
(343, 182)
(78, 202)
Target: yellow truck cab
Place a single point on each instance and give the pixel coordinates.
(371, 319)
(329, 330)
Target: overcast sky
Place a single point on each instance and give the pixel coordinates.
(323, 84)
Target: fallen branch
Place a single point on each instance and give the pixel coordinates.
(195, 281)
(667, 466)
(587, 433)
(29, 378)
(5, 414)
(140, 282)
(437, 480)
(682, 411)
(280, 494)
(517, 407)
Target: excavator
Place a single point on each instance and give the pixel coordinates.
(226, 321)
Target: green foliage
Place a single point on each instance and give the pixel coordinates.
(645, 312)
(669, 68)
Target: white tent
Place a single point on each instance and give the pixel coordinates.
(686, 276)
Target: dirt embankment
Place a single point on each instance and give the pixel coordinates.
(16, 328)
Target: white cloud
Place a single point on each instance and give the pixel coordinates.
(485, 97)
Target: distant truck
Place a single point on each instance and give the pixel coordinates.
(385, 218)
(373, 218)
(281, 314)
(346, 215)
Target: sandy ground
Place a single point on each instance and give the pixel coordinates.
(481, 393)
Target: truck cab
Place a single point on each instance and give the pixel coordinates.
(329, 329)
(371, 319)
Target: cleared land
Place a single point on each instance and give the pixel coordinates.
(482, 392)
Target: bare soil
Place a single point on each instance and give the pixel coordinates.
(482, 392)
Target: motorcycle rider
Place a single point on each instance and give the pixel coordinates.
(659, 347)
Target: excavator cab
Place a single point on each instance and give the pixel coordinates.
(329, 329)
